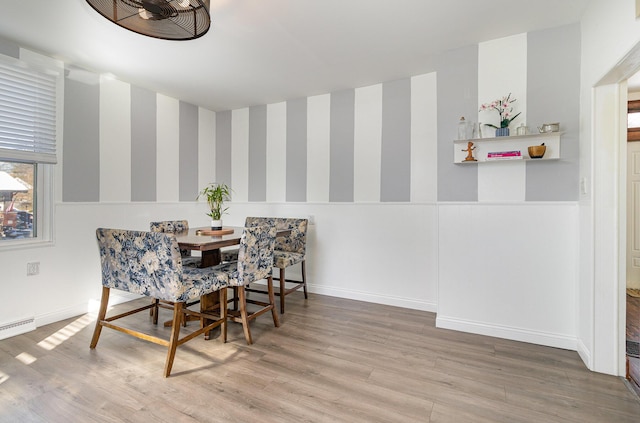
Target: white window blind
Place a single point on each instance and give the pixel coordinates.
(27, 112)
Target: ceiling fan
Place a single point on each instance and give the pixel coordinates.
(165, 19)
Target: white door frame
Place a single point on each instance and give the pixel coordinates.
(609, 232)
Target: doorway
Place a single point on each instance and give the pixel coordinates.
(632, 332)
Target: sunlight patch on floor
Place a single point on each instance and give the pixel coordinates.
(66, 332)
(25, 358)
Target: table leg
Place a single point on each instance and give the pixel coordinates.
(210, 258)
(210, 303)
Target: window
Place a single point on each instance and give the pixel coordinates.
(28, 103)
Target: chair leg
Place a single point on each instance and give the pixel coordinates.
(282, 291)
(223, 314)
(175, 337)
(154, 310)
(272, 301)
(304, 278)
(243, 314)
(102, 313)
(235, 298)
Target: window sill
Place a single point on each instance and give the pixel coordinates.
(24, 244)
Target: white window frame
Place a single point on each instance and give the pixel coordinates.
(45, 173)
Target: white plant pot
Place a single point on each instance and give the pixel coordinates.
(216, 225)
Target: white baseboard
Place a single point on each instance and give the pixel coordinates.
(514, 334)
(374, 298)
(585, 354)
(79, 309)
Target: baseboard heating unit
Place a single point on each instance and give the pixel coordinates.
(19, 327)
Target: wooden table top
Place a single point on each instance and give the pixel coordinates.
(192, 240)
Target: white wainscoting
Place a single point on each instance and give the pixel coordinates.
(499, 273)
(509, 270)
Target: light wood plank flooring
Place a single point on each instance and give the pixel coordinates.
(332, 360)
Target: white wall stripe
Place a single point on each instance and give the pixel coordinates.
(424, 138)
(115, 140)
(240, 154)
(206, 147)
(318, 143)
(502, 69)
(367, 143)
(277, 152)
(168, 153)
(501, 181)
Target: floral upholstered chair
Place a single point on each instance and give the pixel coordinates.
(172, 227)
(149, 263)
(289, 250)
(254, 263)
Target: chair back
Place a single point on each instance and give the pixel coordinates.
(296, 242)
(145, 263)
(255, 254)
(172, 227)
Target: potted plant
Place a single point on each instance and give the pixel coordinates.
(505, 109)
(216, 194)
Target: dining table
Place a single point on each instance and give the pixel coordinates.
(209, 242)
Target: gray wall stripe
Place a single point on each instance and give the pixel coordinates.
(341, 133)
(297, 150)
(188, 150)
(395, 172)
(257, 153)
(553, 95)
(223, 148)
(457, 74)
(81, 147)
(143, 144)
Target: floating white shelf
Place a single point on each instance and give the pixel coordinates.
(483, 146)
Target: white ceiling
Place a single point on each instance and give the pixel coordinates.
(267, 51)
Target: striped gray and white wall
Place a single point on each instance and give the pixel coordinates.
(123, 143)
(542, 71)
(389, 142)
(371, 144)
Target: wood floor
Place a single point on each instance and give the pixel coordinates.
(332, 360)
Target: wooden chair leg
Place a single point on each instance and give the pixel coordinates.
(272, 301)
(243, 314)
(223, 314)
(235, 298)
(102, 313)
(155, 310)
(175, 337)
(304, 278)
(282, 291)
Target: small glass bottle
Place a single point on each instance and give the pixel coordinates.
(521, 130)
(479, 129)
(462, 129)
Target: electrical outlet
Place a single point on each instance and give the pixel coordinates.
(33, 268)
